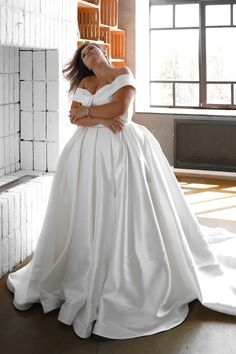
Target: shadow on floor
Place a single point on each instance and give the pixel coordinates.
(33, 332)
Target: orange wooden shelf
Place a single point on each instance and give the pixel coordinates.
(88, 4)
(98, 23)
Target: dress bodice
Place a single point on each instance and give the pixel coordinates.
(105, 93)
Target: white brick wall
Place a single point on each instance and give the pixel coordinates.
(36, 38)
(22, 211)
(34, 82)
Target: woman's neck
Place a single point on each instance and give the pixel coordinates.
(103, 71)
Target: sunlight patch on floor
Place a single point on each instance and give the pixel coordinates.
(212, 203)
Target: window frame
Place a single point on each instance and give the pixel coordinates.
(202, 56)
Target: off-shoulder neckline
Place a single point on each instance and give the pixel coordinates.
(93, 94)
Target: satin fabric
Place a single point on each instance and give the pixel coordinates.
(120, 253)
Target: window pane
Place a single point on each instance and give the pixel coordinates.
(219, 93)
(174, 55)
(161, 94)
(235, 94)
(217, 15)
(187, 15)
(234, 11)
(221, 54)
(187, 95)
(161, 16)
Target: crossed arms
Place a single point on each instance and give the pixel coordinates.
(109, 114)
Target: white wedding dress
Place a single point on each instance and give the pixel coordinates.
(120, 252)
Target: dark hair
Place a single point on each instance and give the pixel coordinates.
(75, 70)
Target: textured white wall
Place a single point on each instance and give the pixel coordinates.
(36, 38)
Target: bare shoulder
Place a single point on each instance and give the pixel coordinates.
(86, 81)
(83, 82)
(125, 70)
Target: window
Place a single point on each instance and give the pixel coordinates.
(190, 49)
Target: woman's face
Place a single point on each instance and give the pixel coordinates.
(91, 53)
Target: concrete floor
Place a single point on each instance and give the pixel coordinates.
(203, 332)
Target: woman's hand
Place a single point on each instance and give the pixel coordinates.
(75, 113)
(116, 125)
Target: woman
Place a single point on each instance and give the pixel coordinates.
(120, 253)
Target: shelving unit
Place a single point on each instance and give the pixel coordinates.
(98, 23)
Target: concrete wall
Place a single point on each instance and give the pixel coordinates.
(161, 125)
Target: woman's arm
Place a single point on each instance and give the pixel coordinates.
(114, 124)
(116, 108)
(85, 122)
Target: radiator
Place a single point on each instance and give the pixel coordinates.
(205, 144)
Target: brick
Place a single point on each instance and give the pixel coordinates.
(9, 26)
(1, 122)
(27, 33)
(43, 31)
(40, 156)
(1, 89)
(5, 253)
(9, 3)
(1, 59)
(37, 31)
(16, 87)
(23, 243)
(52, 156)
(6, 89)
(34, 200)
(53, 126)
(2, 157)
(52, 64)
(26, 155)
(16, 60)
(11, 149)
(21, 28)
(27, 5)
(28, 239)
(17, 246)
(6, 59)
(39, 65)
(3, 25)
(7, 150)
(11, 88)
(51, 32)
(39, 95)
(17, 149)
(17, 118)
(17, 209)
(40, 125)
(26, 95)
(11, 251)
(11, 210)
(7, 170)
(15, 4)
(12, 118)
(23, 198)
(15, 27)
(47, 38)
(27, 125)
(12, 168)
(21, 4)
(29, 198)
(32, 28)
(26, 66)
(52, 95)
(35, 235)
(5, 213)
(43, 7)
(6, 113)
